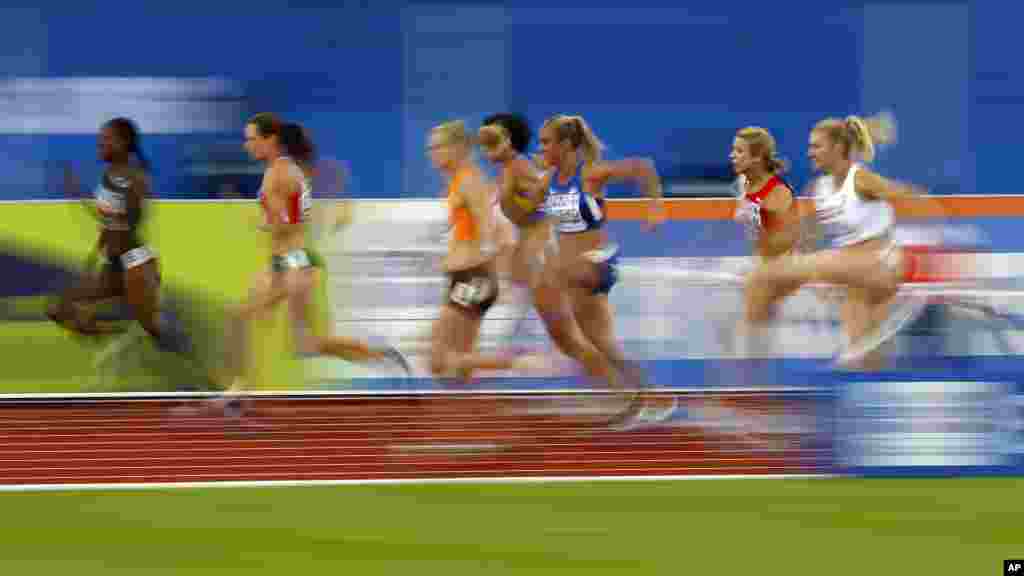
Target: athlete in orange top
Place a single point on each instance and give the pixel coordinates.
(470, 267)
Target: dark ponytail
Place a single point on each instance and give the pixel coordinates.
(266, 123)
(516, 128)
(297, 143)
(129, 133)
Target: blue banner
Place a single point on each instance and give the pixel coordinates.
(930, 427)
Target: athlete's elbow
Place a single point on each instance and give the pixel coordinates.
(133, 217)
(645, 168)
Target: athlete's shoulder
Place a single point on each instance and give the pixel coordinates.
(596, 172)
(522, 163)
(280, 164)
(474, 181)
(867, 179)
(279, 170)
(780, 186)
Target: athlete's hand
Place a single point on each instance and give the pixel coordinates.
(447, 263)
(90, 262)
(551, 273)
(655, 214)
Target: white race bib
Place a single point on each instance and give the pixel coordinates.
(749, 214)
(566, 208)
(469, 294)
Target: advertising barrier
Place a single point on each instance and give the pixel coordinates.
(930, 427)
(951, 405)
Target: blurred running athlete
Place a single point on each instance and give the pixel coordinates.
(767, 209)
(522, 191)
(586, 262)
(470, 266)
(853, 208)
(286, 203)
(131, 271)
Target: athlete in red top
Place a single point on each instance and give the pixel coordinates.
(769, 213)
(766, 206)
(286, 201)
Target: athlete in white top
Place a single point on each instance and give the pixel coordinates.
(852, 207)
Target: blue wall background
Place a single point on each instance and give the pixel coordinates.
(670, 82)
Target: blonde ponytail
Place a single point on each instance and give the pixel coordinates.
(860, 135)
(592, 148)
(576, 130)
(861, 139)
(454, 132)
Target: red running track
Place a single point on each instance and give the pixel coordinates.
(372, 438)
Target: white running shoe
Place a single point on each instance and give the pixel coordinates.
(904, 309)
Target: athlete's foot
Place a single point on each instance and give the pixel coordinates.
(110, 353)
(652, 411)
(624, 406)
(532, 363)
(230, 404)
(903, 309)
(394, 356)
(635, 375)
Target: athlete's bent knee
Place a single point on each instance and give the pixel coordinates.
(438, 364)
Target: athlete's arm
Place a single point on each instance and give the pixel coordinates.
(94, 255)
(522, 176)
(875, 187)
(135, 196)
(339, 212)
(73, 188)
(808, 227)
(778, 202)
(638, 170)
(278, 187)
(544, 236)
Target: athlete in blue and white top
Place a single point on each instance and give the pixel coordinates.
(522, 189)
(586, 261)
(852, 207)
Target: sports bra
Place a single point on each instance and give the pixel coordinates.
(573, 209)
(299, 205)
(459, 218)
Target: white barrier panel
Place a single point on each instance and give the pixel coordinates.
(386, 284)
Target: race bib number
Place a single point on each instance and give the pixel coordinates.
(306, 203)
(749, 214)
(565, 207)
(297, 259)
(137, 257)
(110, 202)
(472, 293)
